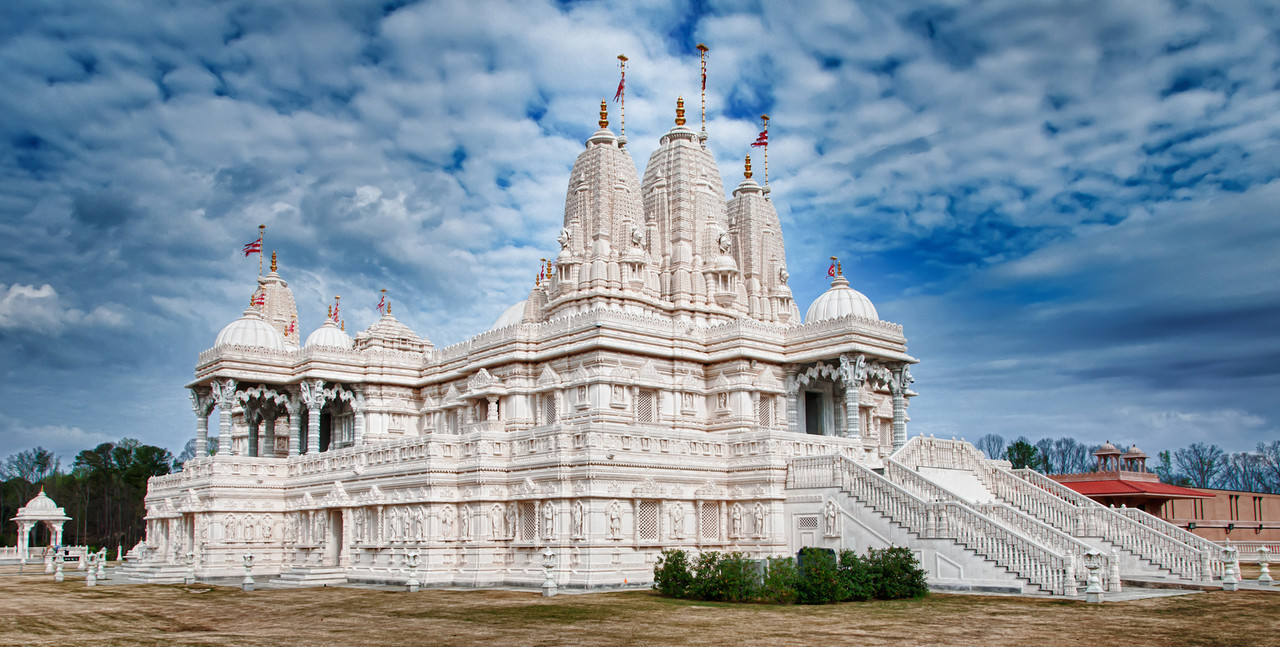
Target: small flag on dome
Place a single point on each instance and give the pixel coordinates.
(253, 248)
(260, 299)
(762, 139)
(293, 325)
(383, 302)
(335, 309)
(621, 83)
(831, 271)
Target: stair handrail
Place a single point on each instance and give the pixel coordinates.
(952, 519)
(1064, 509)
(1213, 550)
(999, 511)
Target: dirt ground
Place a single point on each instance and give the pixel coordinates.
(36, 611)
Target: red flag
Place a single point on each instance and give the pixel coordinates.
(831, 271)
(704, 81)
(260, 299)
(253, 248)
(382, 303)
(618, 95)
(762, 139)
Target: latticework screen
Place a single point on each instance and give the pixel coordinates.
(806, 523)
(710, 521)
(645, 406)
(764, 412)
(549, 409)
(528, 521)
(647, 521)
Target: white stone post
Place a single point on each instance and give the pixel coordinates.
(90, 579)
(413, 584)
(247, 583)
(1093, 590)
(81, 564)
(359, 423)
(48, 563)
(119, 552)
(101, 561)
(1114, 575)
(1206, 566)
(191, 569)
(549, 587)
(1069, 576)
(57, 568)
(1264, 558)
(1230, 582)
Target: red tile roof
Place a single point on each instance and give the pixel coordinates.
(1118, 487)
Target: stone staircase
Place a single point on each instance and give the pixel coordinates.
(307, 576)
(1146, 546)
(151, 572)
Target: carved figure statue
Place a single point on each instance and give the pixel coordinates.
(829, 515)
(264, 527)
(564, 238)
(759, 515)
(615, 521)
(677, 521)
(735, 521)
(549, 520)
(637, 236)
(229, 528)
(724, 242)
(511, 521)
(446, 523)
(495, 522)
(783, 275)
(464, 522)
(578, 514)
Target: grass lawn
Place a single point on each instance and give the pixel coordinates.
(36, 611)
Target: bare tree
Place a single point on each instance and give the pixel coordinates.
(1201, 463)
(1044, 447)
(1269, 457)
(992, 445)
(1244, 471)
(1072, 456)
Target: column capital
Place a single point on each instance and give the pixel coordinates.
(224, 392)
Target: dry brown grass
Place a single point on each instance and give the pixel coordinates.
(36, 611)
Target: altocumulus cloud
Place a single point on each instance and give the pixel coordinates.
(1068, 205)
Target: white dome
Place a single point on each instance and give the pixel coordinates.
(510, 317)
(329, 336)
(250, 330)
(841, 301)
(41, 503)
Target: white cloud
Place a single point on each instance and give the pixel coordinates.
(26, 307)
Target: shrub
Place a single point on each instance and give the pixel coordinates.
(896, 573)
(819, 581)
(731, 577)
(855, 575)
(671, 574)
(779, 586)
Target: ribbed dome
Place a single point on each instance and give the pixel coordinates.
(1134, 452)
(329, 336)
(250, 330)
(41, 507)
(1108, 449)
(511, 316)
(841, 301)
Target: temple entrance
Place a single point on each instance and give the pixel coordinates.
(814, 413)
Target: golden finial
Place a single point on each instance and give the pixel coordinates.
(344, 325)
(747, 172)
(703, 48)
(329, 315)
(604, 114)
(839, 268)
(251, 303)
(388, 306)
(680, 111)
(273, 261)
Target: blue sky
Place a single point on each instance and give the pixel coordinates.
(1070, 206)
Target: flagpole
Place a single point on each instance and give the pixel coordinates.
(765, 119)
(262, 230)
(622, 102)
(703, 49)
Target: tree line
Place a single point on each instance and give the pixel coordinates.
(1196, 465)
(102, 491)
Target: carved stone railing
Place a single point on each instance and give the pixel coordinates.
(1213, 550)
(953, 520)
(1247, 551)
(1058, 505)
(1005, 514)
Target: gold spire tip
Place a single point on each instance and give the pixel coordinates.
(604, 114)
(680, 111)
(747, 172)
(273, 260)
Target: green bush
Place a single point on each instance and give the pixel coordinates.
(855, 575)
(896, 573)
(671, 574)
(779, 586)
(819, 581)
(729, 577)
(819, 578)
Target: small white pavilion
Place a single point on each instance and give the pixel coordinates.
(40, 509)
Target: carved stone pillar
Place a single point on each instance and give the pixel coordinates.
(225, 394)
(200, 405)
(898, 386)
(491, 414)
(357, 406)
(793, 405)
(313, 397)
(253, 445)
(268, 447)
(295, 428)
(853, 372)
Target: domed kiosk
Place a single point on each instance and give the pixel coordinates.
(40, 509)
